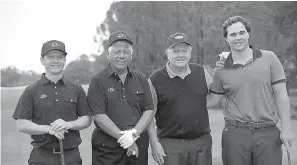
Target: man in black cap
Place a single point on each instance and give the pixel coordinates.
(179, 91)
(122, 108)
(52, 109)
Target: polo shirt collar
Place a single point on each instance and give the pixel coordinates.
(173, 74)
(110, 71)
(45, 80)
(229, 61)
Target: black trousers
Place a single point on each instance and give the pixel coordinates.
(41, 156)
(245, 146)
(106, 150)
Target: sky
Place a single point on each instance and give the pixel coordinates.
(26, 24)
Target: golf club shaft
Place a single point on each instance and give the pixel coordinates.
(62, 152)
(289, 157)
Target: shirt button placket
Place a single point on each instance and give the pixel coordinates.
(57, 109)
(56, 94)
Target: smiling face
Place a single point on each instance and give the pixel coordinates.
(179, 54)
(237, 36)
(54, 62)
(120, 55)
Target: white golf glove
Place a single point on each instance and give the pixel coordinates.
(128, 138)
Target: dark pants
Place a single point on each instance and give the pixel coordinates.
(246, 146)
(187, 151)
(40, 156)
(106, 150)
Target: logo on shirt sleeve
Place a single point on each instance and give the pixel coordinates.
(110, 90)
(43, 96)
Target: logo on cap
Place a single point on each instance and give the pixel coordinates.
(54, 44)
(120, 35)
(179, 37)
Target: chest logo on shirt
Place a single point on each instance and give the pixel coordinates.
(110, 90)
(43, 96)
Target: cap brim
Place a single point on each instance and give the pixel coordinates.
(65, 53)
(179, 42)
(128, 41)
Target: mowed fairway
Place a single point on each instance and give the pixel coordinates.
(16, 146)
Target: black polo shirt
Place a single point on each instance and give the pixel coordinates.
(181, 104)
(124, 103)
(44, 102)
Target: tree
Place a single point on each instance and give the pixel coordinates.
(150, 23)
(9, 76)
(80, 70)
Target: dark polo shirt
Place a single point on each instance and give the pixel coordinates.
(124, 103)
(248, 88)
(44, 102)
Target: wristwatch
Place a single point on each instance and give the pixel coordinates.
(135, 134)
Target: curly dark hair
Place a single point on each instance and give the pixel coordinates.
(232, 20)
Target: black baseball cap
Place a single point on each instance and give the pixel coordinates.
(53, 45)
(176, 38)
(119, 36)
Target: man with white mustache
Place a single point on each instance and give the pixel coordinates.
(122, 108)
(254, 85)
(179, 91)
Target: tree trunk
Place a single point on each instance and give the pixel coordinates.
(137, 40)
(201, 45)
(154, 29)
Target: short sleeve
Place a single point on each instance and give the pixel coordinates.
(82, 103)
(217, 86)
(25, 105)
(96, 98)
(277, 70)
(154, 94)
(147, 99)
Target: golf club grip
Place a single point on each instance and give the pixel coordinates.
(62, 152)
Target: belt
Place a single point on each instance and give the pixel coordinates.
(250, 125)
(55, 150)
(188, 138)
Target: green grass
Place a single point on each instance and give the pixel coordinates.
(16, 146)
